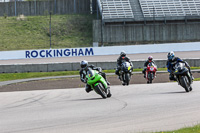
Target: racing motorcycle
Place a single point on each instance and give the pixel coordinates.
(183, 76)
(98, 83)
(125, 72)
(151, 72)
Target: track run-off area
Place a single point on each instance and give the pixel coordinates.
(131, 109)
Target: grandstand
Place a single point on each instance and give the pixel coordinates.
(140, 10)
(115, 9)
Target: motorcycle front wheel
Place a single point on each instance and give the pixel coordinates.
(150, 78)
(100, 90)
(185, 83)
(126, 78)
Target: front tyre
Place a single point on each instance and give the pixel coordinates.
(127, 78)
(150, 77)
(185, 83)
(100, 90)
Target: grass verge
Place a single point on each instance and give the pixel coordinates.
(195, 129)
(14, 76)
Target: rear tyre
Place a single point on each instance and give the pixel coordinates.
(100, 90)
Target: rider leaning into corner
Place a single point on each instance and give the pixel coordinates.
(171, 62)
(150, 59)
(83, 72)
(120, 60)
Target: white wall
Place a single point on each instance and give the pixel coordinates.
(131, 49)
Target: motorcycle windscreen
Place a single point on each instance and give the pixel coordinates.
(90, 73)
(179, 66)
(126, 65)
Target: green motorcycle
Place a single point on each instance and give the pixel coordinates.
(98, 83)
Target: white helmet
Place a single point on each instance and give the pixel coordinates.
(170, 56)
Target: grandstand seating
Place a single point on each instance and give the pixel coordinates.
(144, 10)
(165, 8)
(115, 9)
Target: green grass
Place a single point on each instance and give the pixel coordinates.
(195, 129)
(14, 76)
(32, 32)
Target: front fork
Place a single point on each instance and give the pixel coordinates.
(188, 75)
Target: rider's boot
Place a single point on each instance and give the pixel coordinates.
(119, 77)
(88, 88)
(192, 76)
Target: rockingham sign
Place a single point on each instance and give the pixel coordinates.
(59, 53)
(92, 51)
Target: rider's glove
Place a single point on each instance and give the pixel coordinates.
(99, 69)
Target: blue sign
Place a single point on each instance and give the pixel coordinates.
(59, 53)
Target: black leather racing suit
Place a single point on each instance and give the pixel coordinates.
(120, 61)
(83, 73)
(145, 66)
(170, 66)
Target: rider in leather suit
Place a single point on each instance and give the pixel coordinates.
(83, 72)
(150, 59)
(172, 60)
(120, 61)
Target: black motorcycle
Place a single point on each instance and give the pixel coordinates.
(125, 73)
(183, 76)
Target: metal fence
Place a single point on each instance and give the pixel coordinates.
(41, 7)
(145, 33)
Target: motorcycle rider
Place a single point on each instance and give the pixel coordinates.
(172, 60)
(83, 72)
(150, 59)
(120, 60)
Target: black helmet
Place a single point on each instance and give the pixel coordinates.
(84, 64)
(170, 56)
(123, 54)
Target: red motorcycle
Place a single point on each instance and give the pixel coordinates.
(151, 72)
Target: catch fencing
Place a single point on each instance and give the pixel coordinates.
(39, 7)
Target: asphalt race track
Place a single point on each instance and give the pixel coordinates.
(131, 109)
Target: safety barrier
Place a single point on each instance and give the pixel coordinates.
(50, 67)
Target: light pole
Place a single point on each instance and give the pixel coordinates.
(102, 26)
(50, 29)
(35, 8)
(154, 34)
(15, 7)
